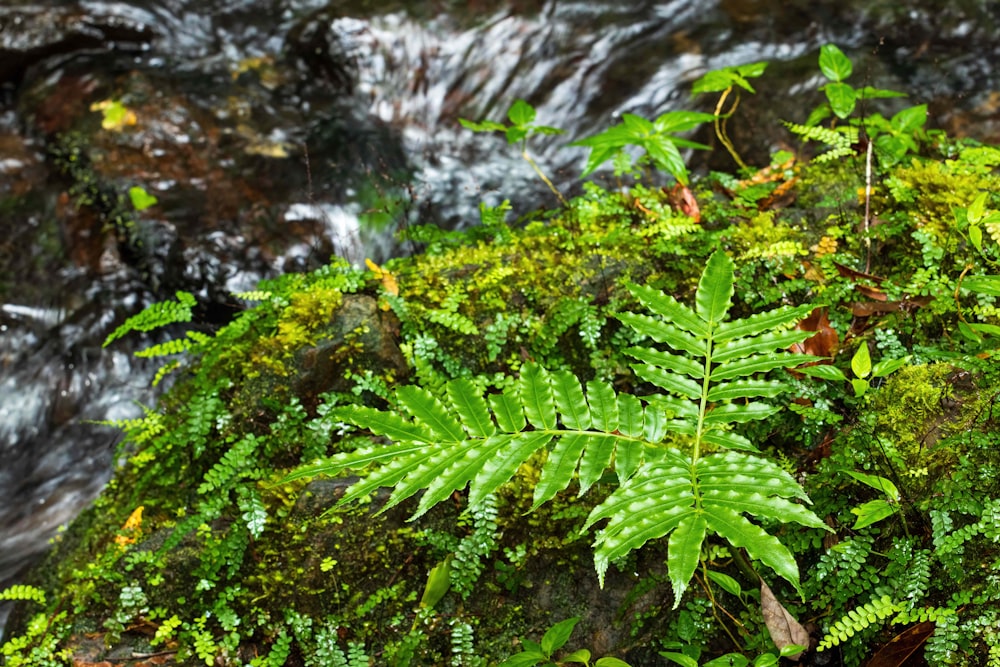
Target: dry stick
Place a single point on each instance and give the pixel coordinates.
(868, 198)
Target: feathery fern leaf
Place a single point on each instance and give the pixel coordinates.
(446, 441)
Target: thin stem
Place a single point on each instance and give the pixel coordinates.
(720, 125)
(545, 179)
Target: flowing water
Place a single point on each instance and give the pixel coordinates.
(272, 129)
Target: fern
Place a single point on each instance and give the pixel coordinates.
(840, 140)
(23, 592)
(156, 315)
(442, 443)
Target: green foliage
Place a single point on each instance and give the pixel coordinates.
(23, 592)
(724, 81)
(657, 138)
(443, 443)
(554, 639)
(841, 96)
(840, 140)
(156, 315)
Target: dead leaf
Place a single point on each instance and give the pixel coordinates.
(826, 340)
(848, 272)
(869, 308)
(873, 293)
(784, 629)
(388, 280)
(682, 199)
(900, 648)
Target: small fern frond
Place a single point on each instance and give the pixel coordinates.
(155, 316)
(23, 592)
(840, 140)
(857, 620)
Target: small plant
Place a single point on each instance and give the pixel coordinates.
(658, 138)
(522, 118)
(542, 654)
(861, 365)
(725, 81)
(841, 96)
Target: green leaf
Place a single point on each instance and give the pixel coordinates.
(833, 63)
(842, 98)
(609, 661)
(680, 659)
(727, 391)
(630, 416)
(662, 332)
(388, 424)
(471, 407)
(715, 289)
(728, 660)
(570, 401)
(596, 457)
(511, 452)
(485, 126)
(671, 310)
(761, 363)
(739, 413)
(603, 406)
(536, 394)
(823, 372)
(726, 583)
(684, 553)
(977, 210)
(989, 285)
(876, 482)
(581, 656)
(521, 113)
(758, 543)
(766, 342)
(910, 120)
(438, 583)
(681, 121)
(427, 409)
(728, 440)
(524, 659)
(872, 512)
(508, 411)
(861, 362)
(887, 367)
(859, 386)
(760, 322)
(665, 379)
(141, 200)
(559, 468)
(556, 636)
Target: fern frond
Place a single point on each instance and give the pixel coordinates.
(445, 441)
(155, 316)
(839, 140)
(23, 592)
(858, 619)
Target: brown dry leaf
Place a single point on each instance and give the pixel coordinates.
(902, 647)
(869, 308)
(873, 293)
(784, 629)
(826, 340)
(682, 199)
(848, 272)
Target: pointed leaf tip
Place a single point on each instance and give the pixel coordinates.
(715, 289)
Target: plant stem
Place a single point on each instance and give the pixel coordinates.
(720, 125)
(545, 179)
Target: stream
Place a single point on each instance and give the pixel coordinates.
(277, 133)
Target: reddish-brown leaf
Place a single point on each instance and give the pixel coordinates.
(826, 340)
(682, 199)
(900, 650)
(848, 272)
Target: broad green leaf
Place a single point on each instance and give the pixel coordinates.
(681, 121)
(603, 406)
(715, 289)
(859, 386)
(525, 659)
(876, 482)
(628, 458)
(842, 97)
(665, 155)
(739, 413)
(761, 363)
(728, 440)
(609, 661)
(823, 372)
(516, 134)
(728, 660)
(428, 410)
(507, 409)
(680, 659)
(514, 450)
(727, 391)
(558, 470)
(989, 285)
(630, 415)
(911, 119)
(673, 382)
(536, 394)
(556, 636)
(596, 457)
(745, 347)
(637, 126)
(834, 64)
(977, 210)
(726, 583)
(887, 367)
(760, 322)
(861, 362)
(668, 308)
(471, 407)
(388, 424)
(579, 656)
(869, 93)
(521, 113)
(654, 424)
(670, 362)
(872, 512)
(570, 401)
(141, 200)
(664, 333)
(758, 543)
(485, 126)
(684, 553)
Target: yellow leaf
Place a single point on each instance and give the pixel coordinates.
(132, 525)
(388, 280)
